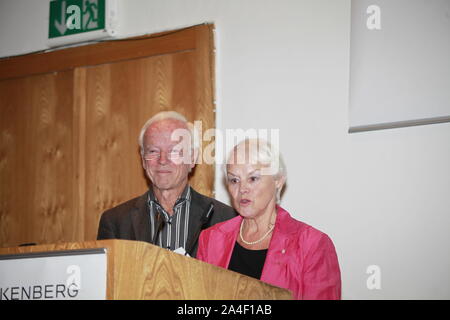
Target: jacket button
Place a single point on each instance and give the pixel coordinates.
(283, 251)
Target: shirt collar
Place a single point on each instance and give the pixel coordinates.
(184, 196)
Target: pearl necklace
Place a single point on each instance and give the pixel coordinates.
(257, 241)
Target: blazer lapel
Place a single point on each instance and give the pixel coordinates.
(230, 233)
(199, 205)
(275, 268)
(141, 220)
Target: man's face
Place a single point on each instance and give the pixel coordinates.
(164, 157)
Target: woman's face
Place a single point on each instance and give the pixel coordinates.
(252, 193)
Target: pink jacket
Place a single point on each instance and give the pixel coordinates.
(300, 258)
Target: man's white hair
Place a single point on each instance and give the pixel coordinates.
(164, 115)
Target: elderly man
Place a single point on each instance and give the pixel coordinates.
(170, 214)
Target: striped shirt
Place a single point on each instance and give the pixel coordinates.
(175, 228)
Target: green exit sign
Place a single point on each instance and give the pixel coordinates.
(70, 17)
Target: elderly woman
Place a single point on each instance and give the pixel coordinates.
(264, 241)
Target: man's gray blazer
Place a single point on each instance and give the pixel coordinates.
(131, 221)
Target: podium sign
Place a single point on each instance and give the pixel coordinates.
(56, 275)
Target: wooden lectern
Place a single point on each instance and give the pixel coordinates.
(139, 270)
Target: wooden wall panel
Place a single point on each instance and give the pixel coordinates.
(36, 159)
(105, 51)
(68, 139)
(12, 206)
(204, 101)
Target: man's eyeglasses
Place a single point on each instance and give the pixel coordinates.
(156, 154)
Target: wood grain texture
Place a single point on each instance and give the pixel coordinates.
(68, 144)
(138, 270)
(36, 152)
(103, 52)
(204, 102)
(79, 143)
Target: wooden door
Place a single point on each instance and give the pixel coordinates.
(36, 159)
(69, 130)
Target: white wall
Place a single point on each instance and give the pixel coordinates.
(383, 196)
